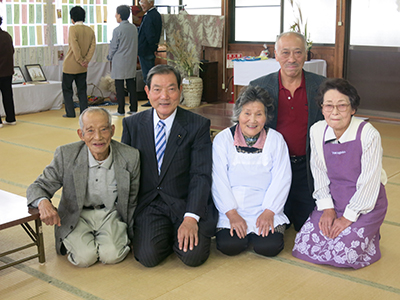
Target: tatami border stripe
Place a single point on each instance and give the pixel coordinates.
(24, 146)
(53, 281)
(338, 275)
(51, 126)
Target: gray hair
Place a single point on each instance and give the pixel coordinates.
(95, 109)
(251, 94)
(297, 34)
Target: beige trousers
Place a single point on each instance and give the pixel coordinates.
(99, 235)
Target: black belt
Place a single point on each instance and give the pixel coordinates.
(95, 207)
(297, 159)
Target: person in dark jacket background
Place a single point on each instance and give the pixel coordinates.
(6, 73)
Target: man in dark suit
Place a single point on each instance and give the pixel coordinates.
(175, 212)
(294, 91)
(149, 36)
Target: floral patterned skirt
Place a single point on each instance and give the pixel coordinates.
(357, 246)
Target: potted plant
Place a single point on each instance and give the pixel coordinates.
(298, 25)
(188, 64)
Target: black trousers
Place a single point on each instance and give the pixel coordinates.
(133, 100)
(269, 245)
(68, 92)
(300, 202)
(156, 230)
(8, 101)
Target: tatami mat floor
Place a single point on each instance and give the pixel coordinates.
(25, 149)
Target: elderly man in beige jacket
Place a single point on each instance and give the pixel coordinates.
(82, 43)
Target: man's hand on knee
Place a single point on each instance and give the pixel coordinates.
(48, 213)
(188, 234)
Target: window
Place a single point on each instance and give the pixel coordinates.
(375, 23)
(96, 18)
(193, 7)
(257, 20)
(26, 21)
(320, 17)
(204, 7)
(46, 22)
(260, 20)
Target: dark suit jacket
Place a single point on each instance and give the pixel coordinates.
(70, 169)
(185, 179)
(270, 83)
(149, 33)
(6, 54)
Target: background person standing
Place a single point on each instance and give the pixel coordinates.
(149, 36)
(82, 43)
(123, 53)
(6, 73)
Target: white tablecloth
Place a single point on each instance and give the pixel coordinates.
(246, 71)
(34, 98)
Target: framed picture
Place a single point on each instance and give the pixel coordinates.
(18, 76)
(35, 72)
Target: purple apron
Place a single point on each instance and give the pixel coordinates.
(358, 245)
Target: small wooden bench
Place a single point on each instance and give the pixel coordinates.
(13, 212)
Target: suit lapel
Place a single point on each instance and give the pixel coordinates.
(146, 134)
(123, 180)
(175, 139)
(80, 174)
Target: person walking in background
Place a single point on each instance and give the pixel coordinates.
(123, 55)
(82, 43)
(149, 36)
(6, 73)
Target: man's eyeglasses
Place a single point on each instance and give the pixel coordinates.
(330, 107)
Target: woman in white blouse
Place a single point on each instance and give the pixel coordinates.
(346, 163)
(251, 179)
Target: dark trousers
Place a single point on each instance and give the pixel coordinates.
(146, 63)
(131, 86)
(300, 202)
(156, 230)
(8, 101)
(68, 92)
(269, 245)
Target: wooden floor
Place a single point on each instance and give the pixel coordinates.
(25, 149)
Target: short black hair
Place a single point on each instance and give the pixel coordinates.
(124, 11)
(77, 14)
(163, 69)
(342, 86)
(1, 20)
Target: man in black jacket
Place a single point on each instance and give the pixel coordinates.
(149, 36)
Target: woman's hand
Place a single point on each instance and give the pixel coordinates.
(326, 221)
(237, 223)
(264, 222)
(339, 225)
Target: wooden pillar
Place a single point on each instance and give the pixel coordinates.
(342, 20)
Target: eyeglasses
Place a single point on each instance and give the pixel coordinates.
(339, 107)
